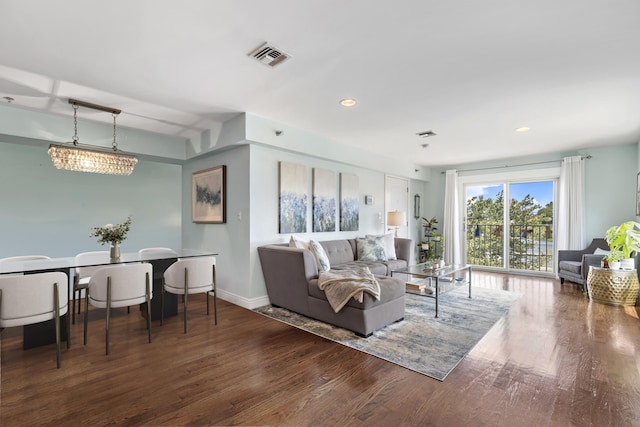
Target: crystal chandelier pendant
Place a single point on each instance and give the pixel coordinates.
(72, 157)
(86, 158)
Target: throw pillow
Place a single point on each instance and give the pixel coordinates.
(296, 242)
(321, 256)
(389, 244)
(599, 251)
(371, 249)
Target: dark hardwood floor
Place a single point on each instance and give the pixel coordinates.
(555, 360)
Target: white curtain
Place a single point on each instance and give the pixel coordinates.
(452, 229)
(570, 230)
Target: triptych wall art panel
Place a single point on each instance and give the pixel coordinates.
(349, 198)
(293, 198)
(294, 190)
(324, 200)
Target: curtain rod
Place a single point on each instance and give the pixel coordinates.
(588, 156)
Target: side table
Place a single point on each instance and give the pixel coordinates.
(614, 287)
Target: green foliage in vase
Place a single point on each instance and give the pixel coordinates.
(624, 238)
(110, 233)
(615, 256)
(429, 223)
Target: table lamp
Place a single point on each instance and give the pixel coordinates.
(396, 219)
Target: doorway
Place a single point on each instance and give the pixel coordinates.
(516, 235)
(396, 198)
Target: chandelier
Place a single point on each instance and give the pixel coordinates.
(90, 158)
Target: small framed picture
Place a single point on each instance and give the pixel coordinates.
(208, 195)
(368, 200)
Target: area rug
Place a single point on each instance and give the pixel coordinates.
(420, 342)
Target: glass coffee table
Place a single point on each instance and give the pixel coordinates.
(443, 279)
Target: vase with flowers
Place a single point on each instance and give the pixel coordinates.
(114, 235)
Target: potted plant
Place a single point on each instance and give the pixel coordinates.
(625, 239)
(429, 225)
(614, 258)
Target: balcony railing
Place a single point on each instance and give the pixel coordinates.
(530, 246)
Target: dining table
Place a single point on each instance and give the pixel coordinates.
(44, 333)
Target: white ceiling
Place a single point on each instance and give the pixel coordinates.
(471, 71)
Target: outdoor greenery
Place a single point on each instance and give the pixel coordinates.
(530, 232)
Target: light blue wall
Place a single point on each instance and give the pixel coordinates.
(263, 131)
(51, 212)
(42, 129)
(299, 146)
(610, 183)
(230, 240)
(264, 202)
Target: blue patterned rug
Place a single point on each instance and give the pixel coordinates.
(420, 342)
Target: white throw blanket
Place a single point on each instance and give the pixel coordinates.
(340, 285)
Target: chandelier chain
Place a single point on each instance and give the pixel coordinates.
(115, 144)
(75, 125)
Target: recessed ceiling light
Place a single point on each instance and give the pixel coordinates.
(523, 129)
(348, 102)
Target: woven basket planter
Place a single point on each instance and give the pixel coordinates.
(613, 287)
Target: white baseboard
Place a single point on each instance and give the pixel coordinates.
(248, 303)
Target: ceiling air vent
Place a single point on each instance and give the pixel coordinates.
(426, 134)
(269, 55)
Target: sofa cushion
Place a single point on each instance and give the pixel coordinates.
(390, 289)
(371, 249)
(389, 244)
(339, 251)
(296, 242)
(395, 264)
(321, 256)
(571, 266)
(376, 267)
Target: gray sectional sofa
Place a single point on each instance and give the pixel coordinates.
(291, 277)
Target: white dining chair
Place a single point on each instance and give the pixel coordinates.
(157, 250)
(34, 298)
(21, 258)
(157, 254)
(120, 285)
(83, 275)
(191, 276)
(24, 258)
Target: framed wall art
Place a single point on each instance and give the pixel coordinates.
(208, 195)
(324, 200)
(293, 198)
(349, 202)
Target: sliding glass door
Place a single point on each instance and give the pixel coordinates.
(517, 235)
